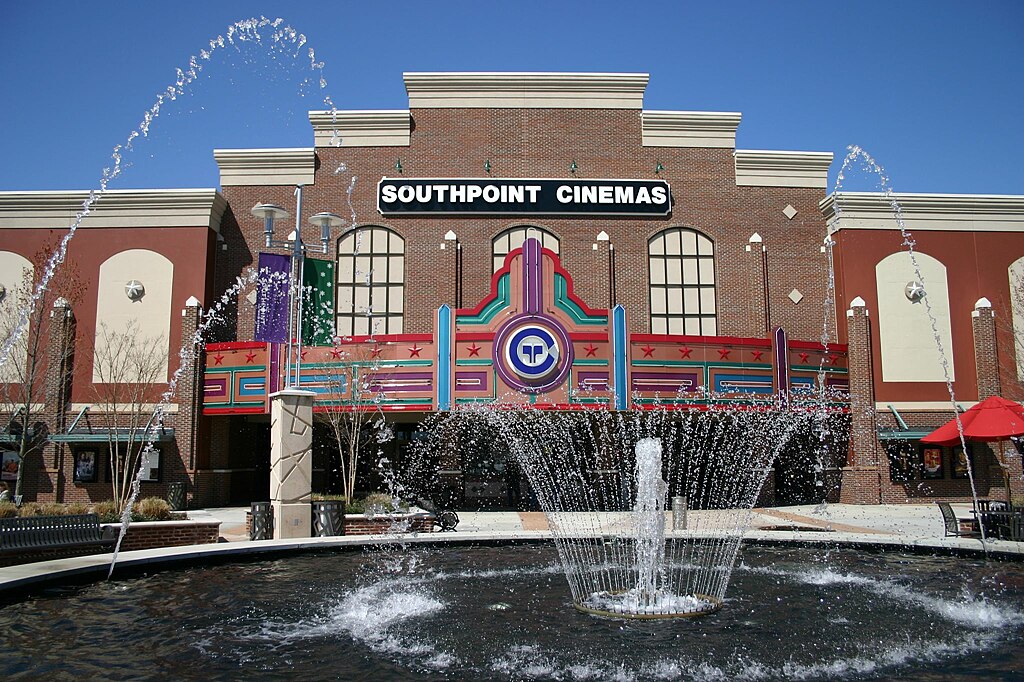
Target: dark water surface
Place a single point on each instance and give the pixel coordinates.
(505, 613)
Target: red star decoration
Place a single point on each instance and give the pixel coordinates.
(303, 354)
(834, 359)
(757, 354)
(723, 353)
(648, 351)
(591, 350)
(336, 353)
(685, 351)
(803, 357)
(375, 353)
(474, 350)
(414, 352)
(250, 357)
(218, 359)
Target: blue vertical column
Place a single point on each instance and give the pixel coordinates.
(620, 357)
(444, 358)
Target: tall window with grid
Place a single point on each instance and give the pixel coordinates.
(512, 238)
(682, 278)
(371, 282)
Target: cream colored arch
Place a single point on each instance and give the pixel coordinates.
(15, 273)
(1016, 275)
(143, 319)
(909, 352)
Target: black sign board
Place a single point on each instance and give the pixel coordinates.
(480, 196)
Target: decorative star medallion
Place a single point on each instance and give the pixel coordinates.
(804, 357)
(218, 359)
(833, 359)
(757, 354)
(591, 350)
(250, 357)
(414, 352)
(375, 353)
(336, 353)
(648, 351)
(474, 350)
(723, 353)
(684, 351)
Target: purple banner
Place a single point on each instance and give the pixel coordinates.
(272, 298)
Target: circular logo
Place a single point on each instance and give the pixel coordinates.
(532, 353)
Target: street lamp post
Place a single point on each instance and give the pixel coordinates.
(269, 213)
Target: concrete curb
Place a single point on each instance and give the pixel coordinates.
(96, 566)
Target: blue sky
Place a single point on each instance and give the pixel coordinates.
(931, 89)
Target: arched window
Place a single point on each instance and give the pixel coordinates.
(371, 282)
(682, 277)
(512, 238)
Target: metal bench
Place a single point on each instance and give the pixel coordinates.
(31, 534)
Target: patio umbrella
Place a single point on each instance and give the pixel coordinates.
(993, 419)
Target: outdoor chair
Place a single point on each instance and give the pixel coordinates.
(955, 526)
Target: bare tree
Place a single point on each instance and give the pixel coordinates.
(354, 410)
(126, 367)
(22, 377)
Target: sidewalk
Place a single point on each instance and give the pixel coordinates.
(918, 522)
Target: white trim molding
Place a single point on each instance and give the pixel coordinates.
(925, 406)
(115, 208)
(266, 166)
(361, 128)
(765, 168)
(948, 212)
(526, 90)
(690, 128)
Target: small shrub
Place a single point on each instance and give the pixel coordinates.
(8, 510)
(106, 511)
(378, 503)
(75, 508)
(327, 497)
(152, 509)
(29, 509)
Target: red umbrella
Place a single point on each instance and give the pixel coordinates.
(992, 419)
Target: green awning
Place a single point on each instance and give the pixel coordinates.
(903, 434)
(104, 436)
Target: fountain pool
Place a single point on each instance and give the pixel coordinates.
(499, 613)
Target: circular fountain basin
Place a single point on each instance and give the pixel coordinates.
(500, 613)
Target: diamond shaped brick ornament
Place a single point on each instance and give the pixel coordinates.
(795, 296)
(789, 211)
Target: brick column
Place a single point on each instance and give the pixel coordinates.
(601, 271)
(189, 394)
(57, 460)
(757, 297)
(986, 356)
(450, 264)
(861, 477)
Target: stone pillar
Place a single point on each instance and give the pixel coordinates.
(57, 461)
(861, 477)
(189, 393)
(757, 295)
(291, 462)
(986, 355)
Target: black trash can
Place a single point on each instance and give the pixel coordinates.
(262, 526)
(328, 518)
(176, 495)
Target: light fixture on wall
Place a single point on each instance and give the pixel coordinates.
(573, 167)
(134, 290)
(658, 168)
(398, 166)
(487, 166)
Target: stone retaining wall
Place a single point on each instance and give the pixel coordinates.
(151, 534)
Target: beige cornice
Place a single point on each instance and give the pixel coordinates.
(114, 209)
(690, 128)
(265, 166)
(956, 212)
(761, 168)
(361, 128)
(526, 90)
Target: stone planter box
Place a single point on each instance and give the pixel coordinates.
(152, 534)
(360, 524)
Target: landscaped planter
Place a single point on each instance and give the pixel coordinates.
(361, 524)
(152, 534)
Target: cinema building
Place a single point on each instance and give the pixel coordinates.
(536, 238)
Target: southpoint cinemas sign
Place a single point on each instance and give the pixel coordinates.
(545, 197)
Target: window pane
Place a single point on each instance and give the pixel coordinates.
(657, 271)
(704, 246)
(345, 326)
(707, 271)
(658, 301)
(394, 325)
(395, 296)
(690, 271)
(691, 301)
(659, 325)
(689, 247)
(674, 271)
(707, 301)
(672, 247)
(675, 301)
(657, 247)
(380, 269)
(693, 326)
(396, 273)
(675, 326)
(710, 326)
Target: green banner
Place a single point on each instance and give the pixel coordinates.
(318, 303)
